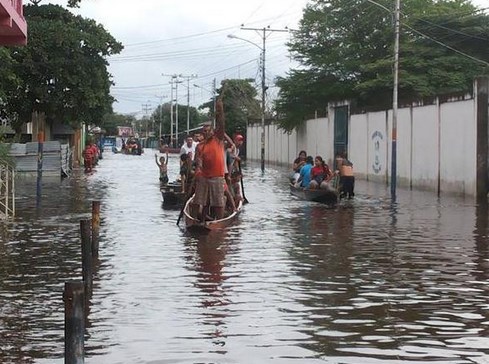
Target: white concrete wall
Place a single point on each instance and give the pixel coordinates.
(404, 146)
(436, 145)
(425, 144)
(458, 147)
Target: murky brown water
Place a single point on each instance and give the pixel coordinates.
(294, 282)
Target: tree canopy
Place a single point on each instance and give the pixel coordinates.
(162, 114)
(345, 48)
(63, 69)
(111, 121)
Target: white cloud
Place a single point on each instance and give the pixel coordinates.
(190, 37)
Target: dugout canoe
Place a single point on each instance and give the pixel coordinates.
(172, 195)
(326, 196)
(193, 224)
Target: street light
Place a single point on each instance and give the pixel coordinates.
(263, 91)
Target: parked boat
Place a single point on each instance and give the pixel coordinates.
(193, 224)
(172, 194)
(326, 196)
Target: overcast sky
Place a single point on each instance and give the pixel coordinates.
(190, 38)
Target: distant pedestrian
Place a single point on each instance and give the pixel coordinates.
(88, 157)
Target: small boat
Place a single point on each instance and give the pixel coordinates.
(326, 196)
(172, 194)
(193, 224)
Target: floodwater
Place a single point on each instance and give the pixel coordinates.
(293, 282)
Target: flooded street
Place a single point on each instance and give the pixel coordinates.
(293, 282)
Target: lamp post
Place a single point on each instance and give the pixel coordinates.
(263, 91)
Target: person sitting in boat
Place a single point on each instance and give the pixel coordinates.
(347, 179)
(163, 166)
(297, 165)
(320, 174)
(210, 167)
(131, 146)
(305, 173)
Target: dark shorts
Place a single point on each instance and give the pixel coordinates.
(164, 178)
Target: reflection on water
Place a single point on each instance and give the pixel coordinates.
(206, 257)
(367, 281)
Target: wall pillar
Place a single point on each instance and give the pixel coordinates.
(482, 120)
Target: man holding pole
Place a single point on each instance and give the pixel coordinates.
(210, 169)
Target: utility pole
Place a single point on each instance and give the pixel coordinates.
(146, 108)
(264, 32)
(176, 112)
(188, 78)
(395, 101)
(173, 80)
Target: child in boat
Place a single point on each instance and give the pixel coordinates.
(163, 166)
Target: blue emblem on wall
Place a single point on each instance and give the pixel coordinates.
(377, 137)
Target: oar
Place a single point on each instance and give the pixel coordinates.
(245, 200)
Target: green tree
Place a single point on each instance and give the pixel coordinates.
(62, 70)
(345, 48)
(7, 75)
(162, 114)
(240, 104)
(111, 121)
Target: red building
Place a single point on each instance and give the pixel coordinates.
(13, 27)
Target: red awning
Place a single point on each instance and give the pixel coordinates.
(13, 27)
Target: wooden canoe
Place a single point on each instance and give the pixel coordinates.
(326, 196)
(172, 195)
(193, 224)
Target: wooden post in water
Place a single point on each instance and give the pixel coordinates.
(86, 256)
(73, 297)
(95, 227)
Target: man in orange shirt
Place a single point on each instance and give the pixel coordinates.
(210, 161)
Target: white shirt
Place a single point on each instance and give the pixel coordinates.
(186, 149)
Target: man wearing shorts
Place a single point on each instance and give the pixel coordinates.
(210, 161)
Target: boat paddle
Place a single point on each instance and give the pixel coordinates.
(245, 200)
